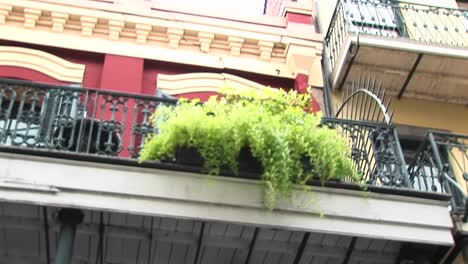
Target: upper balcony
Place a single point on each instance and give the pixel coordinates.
(418, 51)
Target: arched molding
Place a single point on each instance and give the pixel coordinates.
(42, 62)
(201, 82)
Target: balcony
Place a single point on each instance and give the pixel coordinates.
(90, 125)
(77, 147)
(417, 51)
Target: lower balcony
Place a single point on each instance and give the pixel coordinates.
(63, 147)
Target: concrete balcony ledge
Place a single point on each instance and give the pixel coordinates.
(97, 186)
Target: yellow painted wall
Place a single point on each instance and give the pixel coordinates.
(422, 113)
(431, 114)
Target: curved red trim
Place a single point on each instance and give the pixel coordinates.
(15, 72)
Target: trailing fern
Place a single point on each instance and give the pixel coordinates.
(275, 125)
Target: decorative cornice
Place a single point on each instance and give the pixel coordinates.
(58, 21)
(221, 43)
(87, 25)
(43, 62)
(235, 45)
(174, 35)
(115, 27)
(205, 41)
(4, 12)
(31, 15)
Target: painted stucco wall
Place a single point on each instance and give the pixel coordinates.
(437, 115)
(425, 114)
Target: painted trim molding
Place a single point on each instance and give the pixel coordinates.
(43, 62)
(201, 82)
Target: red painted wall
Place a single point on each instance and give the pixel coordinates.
(122, 74)
(299, 18)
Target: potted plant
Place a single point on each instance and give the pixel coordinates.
(271, 128)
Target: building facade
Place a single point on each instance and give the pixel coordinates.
(93, 72)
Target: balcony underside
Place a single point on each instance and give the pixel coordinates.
(406, 68)
(30, 231)
(159, 192)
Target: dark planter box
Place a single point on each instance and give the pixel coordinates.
(188, 156)
(249, 167)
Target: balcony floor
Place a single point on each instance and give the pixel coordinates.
(406, 68)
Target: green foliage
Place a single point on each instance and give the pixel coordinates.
(275, 125)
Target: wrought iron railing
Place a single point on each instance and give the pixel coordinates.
(395, 19)
(64, 119)
(74, 119)
(441, 165)
(375, 150)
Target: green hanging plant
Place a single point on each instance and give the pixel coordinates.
(274, 125)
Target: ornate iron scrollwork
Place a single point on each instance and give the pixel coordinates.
(75, 119)
(374, 151)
